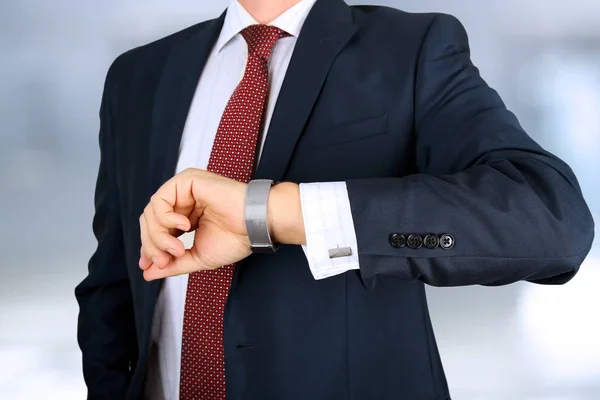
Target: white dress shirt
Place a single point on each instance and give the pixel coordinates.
(325, 206)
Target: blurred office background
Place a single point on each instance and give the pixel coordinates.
(517, 342)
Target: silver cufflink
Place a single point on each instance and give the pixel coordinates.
(340, 252)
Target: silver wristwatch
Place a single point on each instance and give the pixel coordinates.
(257, 196)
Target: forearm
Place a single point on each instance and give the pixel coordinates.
(106, 336)
(106, 326)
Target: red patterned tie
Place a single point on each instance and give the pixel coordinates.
(233, 154)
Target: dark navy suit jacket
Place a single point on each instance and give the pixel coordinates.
(387, 101)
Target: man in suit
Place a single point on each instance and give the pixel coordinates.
(398, 165)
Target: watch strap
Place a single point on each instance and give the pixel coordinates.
(257, 197)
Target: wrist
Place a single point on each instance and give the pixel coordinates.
(284, 214)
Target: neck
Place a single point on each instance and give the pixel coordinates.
(265, 11)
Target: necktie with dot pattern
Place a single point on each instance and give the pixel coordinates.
(232, 155)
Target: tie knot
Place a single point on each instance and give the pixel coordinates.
(262, 38)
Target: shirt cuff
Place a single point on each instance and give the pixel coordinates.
(328, 225)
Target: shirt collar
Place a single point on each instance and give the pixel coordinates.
(237, 19)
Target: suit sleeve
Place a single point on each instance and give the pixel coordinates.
(106, 330)
(516, 211)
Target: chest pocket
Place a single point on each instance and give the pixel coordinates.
(345, 132)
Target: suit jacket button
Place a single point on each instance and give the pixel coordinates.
(397, 240)
(431, 241)
(414, 241)
(447, 241)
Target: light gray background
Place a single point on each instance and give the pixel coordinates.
(511, 343)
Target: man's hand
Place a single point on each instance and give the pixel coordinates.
(213, 206)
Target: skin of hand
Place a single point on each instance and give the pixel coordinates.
(212, 206)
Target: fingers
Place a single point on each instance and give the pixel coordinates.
(150, 253)
(145, 262)
(157, 244)
(185, 264)
(164, 219)
(166, 216)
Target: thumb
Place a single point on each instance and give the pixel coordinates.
(186, 264)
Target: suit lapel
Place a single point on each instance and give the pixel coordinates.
(172, 103)
(173, 100)
(326, 30)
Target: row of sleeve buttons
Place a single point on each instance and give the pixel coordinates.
(429, 241)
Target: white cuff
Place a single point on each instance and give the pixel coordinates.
(328, 224)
